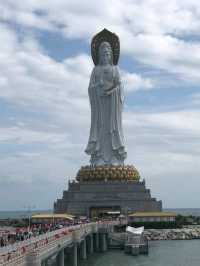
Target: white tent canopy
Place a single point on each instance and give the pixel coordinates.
(135, 231)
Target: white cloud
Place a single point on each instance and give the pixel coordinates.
(48, 144)
(31, 78)
(150, 31)
(134, 82)
(183, 121)
(20, 135)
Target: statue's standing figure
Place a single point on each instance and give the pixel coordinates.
(106, 141)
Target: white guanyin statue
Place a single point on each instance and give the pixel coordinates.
(106, 140)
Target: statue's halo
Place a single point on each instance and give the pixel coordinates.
(105, 36)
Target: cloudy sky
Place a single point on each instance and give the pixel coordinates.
(45, 66)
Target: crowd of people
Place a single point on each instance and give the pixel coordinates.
(8, 237)
(20, 234)
(13, 235)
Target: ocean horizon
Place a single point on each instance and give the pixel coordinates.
(21, 213)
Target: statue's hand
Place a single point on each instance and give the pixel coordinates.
(107, 92)
(103, 94)
(110, 90)
(106, 88)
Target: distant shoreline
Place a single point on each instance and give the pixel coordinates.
(20, 214)
(184, 211)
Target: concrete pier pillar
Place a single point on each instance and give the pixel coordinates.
(103, 242)
(68, 256)
(83, 250)
(75, 255)
(91, 248)
(60, 258)
(135, 250)
(96, 242)
(32, 259)
(127, 249)
(44, 263)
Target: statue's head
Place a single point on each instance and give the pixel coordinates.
(105, 54)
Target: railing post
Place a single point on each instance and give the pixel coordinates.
(91, 246)
(83, 250)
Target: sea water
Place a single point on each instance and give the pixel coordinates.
(161, 253)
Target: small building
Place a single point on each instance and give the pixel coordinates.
(51, 218)
(152, 217)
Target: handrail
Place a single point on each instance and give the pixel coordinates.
(18, 250)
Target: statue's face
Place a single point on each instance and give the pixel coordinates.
(105, 54)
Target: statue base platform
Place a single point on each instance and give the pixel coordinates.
(108, 173)
(103, 189)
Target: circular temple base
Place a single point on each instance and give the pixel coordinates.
(108, 173)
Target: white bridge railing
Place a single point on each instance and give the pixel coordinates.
(15, 254)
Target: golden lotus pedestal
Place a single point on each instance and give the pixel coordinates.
(108, 173)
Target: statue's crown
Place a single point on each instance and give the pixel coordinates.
(105, 36)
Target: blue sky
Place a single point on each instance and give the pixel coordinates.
(45, 67)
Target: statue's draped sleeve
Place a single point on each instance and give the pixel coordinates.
(94, 114)
(119, 83)
(117, 99)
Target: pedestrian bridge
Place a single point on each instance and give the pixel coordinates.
(68, 245)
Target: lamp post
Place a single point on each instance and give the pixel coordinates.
(29, 210)
(127, 210)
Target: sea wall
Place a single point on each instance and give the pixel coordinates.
(173, 234)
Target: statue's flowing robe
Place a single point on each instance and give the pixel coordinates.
(106, 140)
